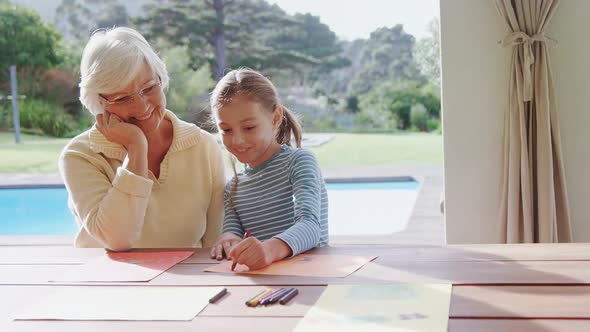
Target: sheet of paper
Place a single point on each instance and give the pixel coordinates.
(119, 303)
(125, 266)
(308, 265)
(376, 308)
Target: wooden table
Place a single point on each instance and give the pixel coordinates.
(496, 287)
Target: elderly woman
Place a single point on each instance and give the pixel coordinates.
(140, 177)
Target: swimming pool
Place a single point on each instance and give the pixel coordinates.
(357, 207)
(35, 211)
(370, 206)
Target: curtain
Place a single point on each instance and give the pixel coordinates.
(534, 204)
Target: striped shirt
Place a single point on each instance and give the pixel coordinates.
(285, 197)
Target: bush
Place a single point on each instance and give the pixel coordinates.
(45, 117)
(60, 87)
(433, 125)
(370, 122)
(419, 117)
(83, 122)
(326, 122)
(5, 118)
(396, 99)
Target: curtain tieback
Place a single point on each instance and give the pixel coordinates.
(518, 38)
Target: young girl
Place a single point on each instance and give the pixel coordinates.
(280, 197)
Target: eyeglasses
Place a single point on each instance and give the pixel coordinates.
(150, 90)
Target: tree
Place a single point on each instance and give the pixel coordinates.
(387, 56)
(189, 88)
(309, 36)
(313, 39)
(352, 104)
(32, 45)
(427, 53)
(210, 28)
(25, 40)
(336, 82)
(79, 18)
(230, 33)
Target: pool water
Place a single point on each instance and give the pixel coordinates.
(35, 211)
(390, 185)
(355, 208)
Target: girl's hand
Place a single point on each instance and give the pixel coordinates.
(224, 244)
(256, 255)
(120, 132)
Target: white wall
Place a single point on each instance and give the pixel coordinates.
(474, 72)
(475, 76)
(571, 70)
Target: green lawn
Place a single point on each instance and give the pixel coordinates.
(376, 149)
(37, 154)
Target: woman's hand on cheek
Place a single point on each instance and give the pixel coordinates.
(118, 131)
(224, 244)
(252, 253)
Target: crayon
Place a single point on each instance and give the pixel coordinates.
(246, 235)
(256, 299)
(288, 296)
(266, 299)
(276, 297)
(218, 295)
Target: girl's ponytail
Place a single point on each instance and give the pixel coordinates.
(290, 126)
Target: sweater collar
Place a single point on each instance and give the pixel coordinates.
(185, 135)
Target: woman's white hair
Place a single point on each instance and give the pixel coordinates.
(111, 60)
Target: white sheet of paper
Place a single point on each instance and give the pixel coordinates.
(306, 265)
(376, 308)
(119, 303)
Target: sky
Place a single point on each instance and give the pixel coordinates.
(352, 19)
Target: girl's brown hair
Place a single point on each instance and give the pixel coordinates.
(250, 83)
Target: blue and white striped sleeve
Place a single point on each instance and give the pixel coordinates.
(231, 222)
(306, 178)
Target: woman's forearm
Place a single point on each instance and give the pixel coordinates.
(137, 162)
(116, 218)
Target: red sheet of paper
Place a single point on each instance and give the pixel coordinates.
(126, 266)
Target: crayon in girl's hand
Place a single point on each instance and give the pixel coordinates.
(246, 235)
